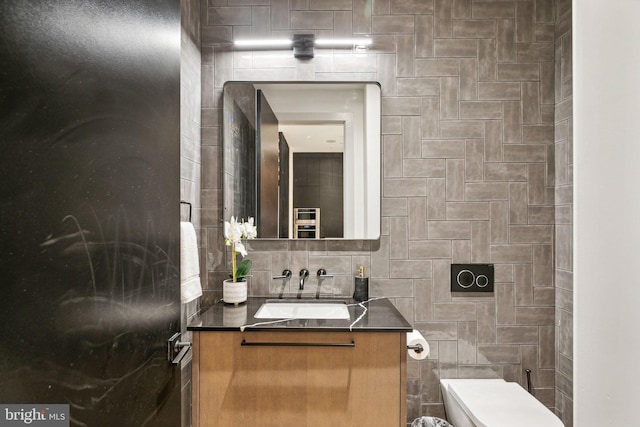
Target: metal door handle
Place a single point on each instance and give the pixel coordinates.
(176, 350)
(183, 352)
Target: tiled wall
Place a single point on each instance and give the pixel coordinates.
(468, 169)
(190, 163)
(563, 268)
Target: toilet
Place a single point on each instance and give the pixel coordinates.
(493, 403)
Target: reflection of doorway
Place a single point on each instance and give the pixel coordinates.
(283, 187)
(243, 157)
(268, 140)
(317, 183)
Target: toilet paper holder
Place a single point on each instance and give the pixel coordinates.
(417, 348)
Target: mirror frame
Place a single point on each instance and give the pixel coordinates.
(374, 193)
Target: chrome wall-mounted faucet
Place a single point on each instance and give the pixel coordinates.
(322, 274)
(286, 275)
(304, 273)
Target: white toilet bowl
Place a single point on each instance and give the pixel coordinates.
(493, 403)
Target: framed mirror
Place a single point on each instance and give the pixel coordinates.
(303, 158)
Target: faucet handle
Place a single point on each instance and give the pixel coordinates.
(286, 274)
(304, 273)
(323, 273)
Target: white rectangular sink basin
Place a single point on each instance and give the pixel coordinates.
(312, 309)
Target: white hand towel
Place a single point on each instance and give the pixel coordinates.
(190, 286)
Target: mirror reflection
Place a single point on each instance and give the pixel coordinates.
(303, 158)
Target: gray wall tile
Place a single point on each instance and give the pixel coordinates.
(494, 9)
(449, 97)
(468, 79)
(418, 86)
(392, 157)
(392, 24)
(517, 335)
(486, 191)
(454, 179)
(478, 29)
(330, 4)
(436, 194)
(535, 52)
(430, 117)
(437, 67)
(461, 311)
(450, 148)
(505, 172)
(462, 129)
(499, 91)
(430, 249)
(531, 102)
(430, 168)
(228, 16)
(524, 21)
(317, 20)
(411, 142)
(476, 135)
(474, 160)
(423, 299)
(442, 19)
(467, 344)
(424, 36)
(467, 211)
(498, 354)
(417, 218)
(449, 229)
(545, 11)
(493, 138)
(505, 40)
(518, 72)
(412, 6)
(405, 58)
(480, 110)
(452, 48)
(535, 316)
(481, 249)
(512, 122)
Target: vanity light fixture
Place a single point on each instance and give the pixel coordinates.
(357, 43)
(303, 44)
(263, 43)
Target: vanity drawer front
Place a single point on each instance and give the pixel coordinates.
(301, 378)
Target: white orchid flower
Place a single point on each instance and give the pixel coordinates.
(234, 232)
(241, 249)
(250, 230)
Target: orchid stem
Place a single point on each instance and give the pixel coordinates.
(233, 262)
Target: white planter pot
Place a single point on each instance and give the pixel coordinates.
(234, 293)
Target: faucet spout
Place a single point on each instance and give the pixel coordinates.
(304, 273)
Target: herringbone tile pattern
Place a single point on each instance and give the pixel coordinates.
(563, 268)
(469, 114)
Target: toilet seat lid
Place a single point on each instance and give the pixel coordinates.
(484, 402)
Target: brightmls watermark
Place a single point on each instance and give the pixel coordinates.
(34, 415)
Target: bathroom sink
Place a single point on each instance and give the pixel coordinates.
(311, 309)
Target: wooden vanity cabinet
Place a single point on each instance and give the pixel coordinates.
(299, 378)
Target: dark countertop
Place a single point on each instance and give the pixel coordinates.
(380, 316)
